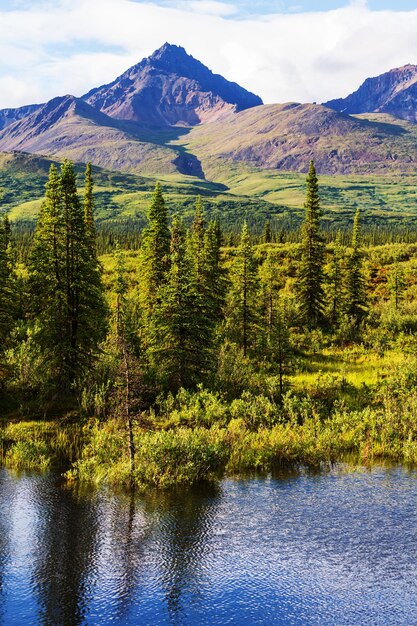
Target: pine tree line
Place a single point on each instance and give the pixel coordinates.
(194, 298)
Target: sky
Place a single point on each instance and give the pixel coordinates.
(282, 50)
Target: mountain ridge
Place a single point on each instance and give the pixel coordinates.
(393, 92)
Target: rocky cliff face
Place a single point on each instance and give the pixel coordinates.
(394, 92)
(170, 88)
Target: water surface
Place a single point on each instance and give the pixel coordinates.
(335, 548)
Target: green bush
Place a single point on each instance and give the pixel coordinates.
(28, 455)
(181, 457)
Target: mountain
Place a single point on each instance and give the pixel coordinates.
(8, 116)
(170, 114)
(394, 92)
(170, 88)
(286, 136)
(69, 127)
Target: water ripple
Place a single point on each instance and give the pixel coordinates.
(337, 548)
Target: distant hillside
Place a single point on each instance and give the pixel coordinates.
(122, 200)
(69, 127)
(394, 92)
(170, 88)
(285, 137)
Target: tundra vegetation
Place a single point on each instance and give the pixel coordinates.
(195, 354)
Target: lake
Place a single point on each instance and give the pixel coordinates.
(338, 547)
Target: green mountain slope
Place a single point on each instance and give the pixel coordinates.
(254, 195)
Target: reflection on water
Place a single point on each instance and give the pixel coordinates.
(337, 548)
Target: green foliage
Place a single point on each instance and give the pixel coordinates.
(67, 295)
(242, 319)
(192, 409)
(41, 446)
(208, 366)
(310, 273)
(180, 331)
(355, 287)
(181, 457)
(335, 281)
(156, 248)
(28, 455)
(8, 296)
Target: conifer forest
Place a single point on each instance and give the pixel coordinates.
(191, 356)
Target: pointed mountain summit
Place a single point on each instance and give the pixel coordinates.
(394, 92)
(170, 88)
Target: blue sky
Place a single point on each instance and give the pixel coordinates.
(265, 7)
(262, 7)
(283, 50)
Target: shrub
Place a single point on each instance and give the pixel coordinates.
(180, 457)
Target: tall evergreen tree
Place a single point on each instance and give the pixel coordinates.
(196, 241)
(310, 275)
(47, 274)
(267, 236)
(156, 248)
(65, 277)
(277, 344)
(396, 284)
(90, 226)
(242, 320)
(7, 285)
(125, 353)
(180, 347)
(213, 272)
(355, 287)
(203, 254)
(336, 281)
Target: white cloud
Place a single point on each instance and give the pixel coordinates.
(206, 7)
(362, 4)
(70, 46)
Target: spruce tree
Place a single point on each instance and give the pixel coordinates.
(355, 287)
(203, 254)
(270, 281)
(242, 320)
(89, 206)
(277, 344)
(310, 275)
(396, 284)
(125, 354)
(7, 285)
(267, 236)
(336, 281)
(47, 275)
(196, 241)
(155, 249)
(66, 286)
(213, 272)
(181, 339)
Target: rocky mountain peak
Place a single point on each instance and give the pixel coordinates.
(170, 88)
